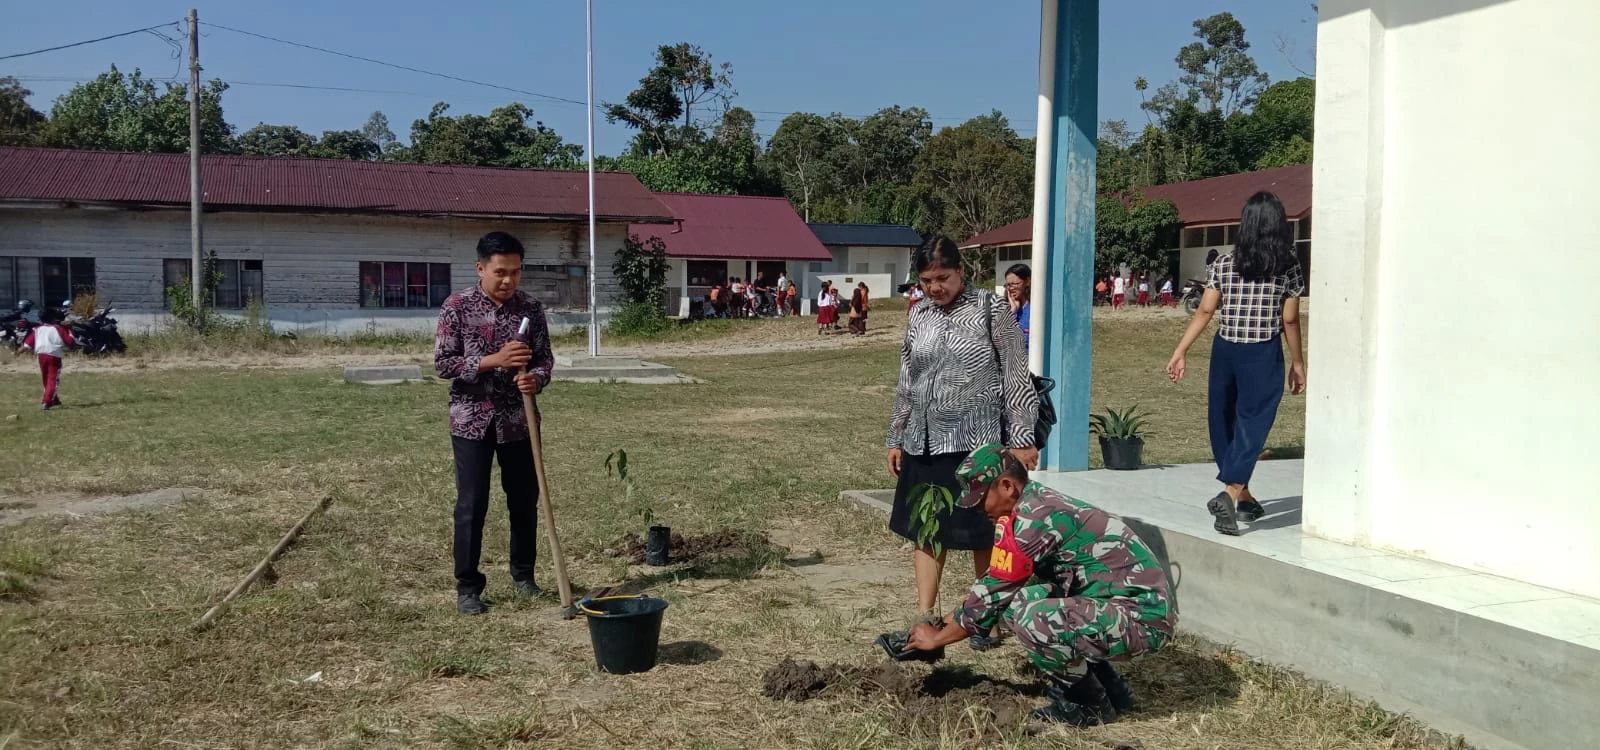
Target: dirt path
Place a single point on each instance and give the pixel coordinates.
(885, 328)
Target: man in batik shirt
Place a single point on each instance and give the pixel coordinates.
(1073, 583)
(490, 366)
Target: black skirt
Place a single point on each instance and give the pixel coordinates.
(965, 528)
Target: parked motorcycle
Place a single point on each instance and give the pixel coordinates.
(1193, 290)
(97, 334)
(15, 324)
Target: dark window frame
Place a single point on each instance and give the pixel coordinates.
(402, 284)
(246, 290)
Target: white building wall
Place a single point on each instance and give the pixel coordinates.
(1456, 427)
(310, 263)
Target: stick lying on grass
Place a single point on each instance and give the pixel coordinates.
(211, 615)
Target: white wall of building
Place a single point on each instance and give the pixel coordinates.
(310, 263)
(890, 263)
(1457, 427)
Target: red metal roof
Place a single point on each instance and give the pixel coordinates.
(1019, 232)
(289, 183)
(736, 227)
(1214, 200)
(1220, 199)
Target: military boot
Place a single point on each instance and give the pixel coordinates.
(1117, 690)
(1080, 704)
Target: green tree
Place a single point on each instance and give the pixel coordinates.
(1278, 132)
(377, 130)
(1133, 231)
(683, 83)
(728, 163)
(801, 153)
(503, 138)
(974, 177)
(345, 144)
(1218, 70)
(20, 123)
(275, 140)
(117, 112)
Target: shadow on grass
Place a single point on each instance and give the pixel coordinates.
(688, 653)
(740, 565)
(1179, 680)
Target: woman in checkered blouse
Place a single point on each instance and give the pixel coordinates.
(1255, 291)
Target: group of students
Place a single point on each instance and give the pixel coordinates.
(1114, 290)
(829, 303)
(738, 298)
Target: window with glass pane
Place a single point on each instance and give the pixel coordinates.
(1216, 236)
(394, 285)
(439, 286)
(226, 295)
(251, 289)
(1194, 237)
(371, 284)
(416, 285)
(54, 282)
(707, 272)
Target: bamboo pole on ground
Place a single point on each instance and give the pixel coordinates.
(210, 617)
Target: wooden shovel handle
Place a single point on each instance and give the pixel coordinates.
(547, 510)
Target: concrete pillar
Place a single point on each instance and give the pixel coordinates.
(1068, 244)
(1452, 410)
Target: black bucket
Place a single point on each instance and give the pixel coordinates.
(658, 546)
(625, 631)
(1122, 453)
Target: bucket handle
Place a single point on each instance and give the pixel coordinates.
(588, 611)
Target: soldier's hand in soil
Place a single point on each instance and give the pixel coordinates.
(513, 356)
(528, 383)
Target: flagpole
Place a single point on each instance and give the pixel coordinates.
(594, 317)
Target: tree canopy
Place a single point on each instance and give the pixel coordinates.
(117, 112)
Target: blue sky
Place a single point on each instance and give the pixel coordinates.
(956, 58)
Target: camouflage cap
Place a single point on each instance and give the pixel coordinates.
(979, 470)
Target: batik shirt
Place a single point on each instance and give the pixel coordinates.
(471, 327)
(964, 379)
(1079, 549)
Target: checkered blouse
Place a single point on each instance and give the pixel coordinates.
(1252, 311)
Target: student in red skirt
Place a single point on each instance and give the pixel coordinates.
(827, 308)
(1166, 294)
(1144, 291)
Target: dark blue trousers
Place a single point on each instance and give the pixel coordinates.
(1246, 387)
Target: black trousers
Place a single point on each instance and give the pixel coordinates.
(474, 459)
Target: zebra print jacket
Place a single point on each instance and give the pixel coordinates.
(964, 381)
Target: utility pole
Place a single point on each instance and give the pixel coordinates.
(196, 276)
(594, 315)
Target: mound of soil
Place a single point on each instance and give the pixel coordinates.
(721, 543)
(920, 695)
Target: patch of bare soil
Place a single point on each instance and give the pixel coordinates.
(943, 693)
(17, 509)
(721, 543)
(752, 414)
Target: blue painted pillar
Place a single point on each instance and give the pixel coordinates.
(1069, 227)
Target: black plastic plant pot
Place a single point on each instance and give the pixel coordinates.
(658, 546)
(1122, 454)
(625, 632)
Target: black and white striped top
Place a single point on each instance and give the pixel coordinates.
(964, 381)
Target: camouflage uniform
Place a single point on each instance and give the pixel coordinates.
(1096, 590)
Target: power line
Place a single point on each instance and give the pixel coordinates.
(398, 66)
(88, 41)
(549, 97)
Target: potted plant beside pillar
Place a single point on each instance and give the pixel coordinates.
(1121, 437)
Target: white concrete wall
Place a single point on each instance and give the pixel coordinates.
(310, 263)
(1458, 427)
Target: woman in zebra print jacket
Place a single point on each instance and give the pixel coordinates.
(964, 382)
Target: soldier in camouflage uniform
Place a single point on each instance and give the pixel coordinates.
(1073, 583)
